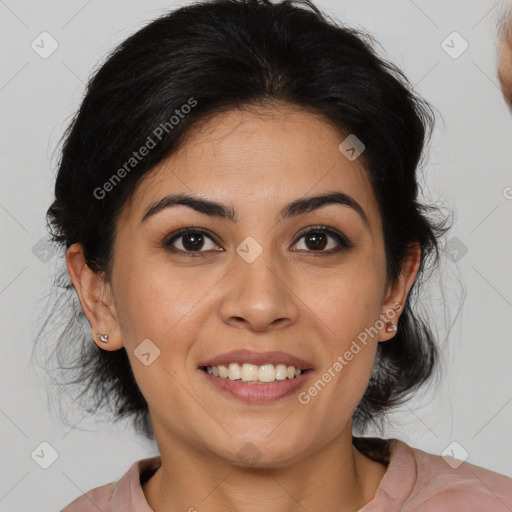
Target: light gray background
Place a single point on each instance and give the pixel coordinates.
(469, 170)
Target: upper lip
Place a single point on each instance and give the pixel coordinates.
(257, 358)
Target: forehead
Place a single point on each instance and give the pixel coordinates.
(258, 158)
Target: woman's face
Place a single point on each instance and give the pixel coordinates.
(254, 282)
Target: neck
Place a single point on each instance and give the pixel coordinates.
(335, 477)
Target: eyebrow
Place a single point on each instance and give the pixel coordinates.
(212, 209)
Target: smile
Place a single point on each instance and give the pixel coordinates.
(247, 372)
(256, 377)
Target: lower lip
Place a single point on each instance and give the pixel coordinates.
(258, 393)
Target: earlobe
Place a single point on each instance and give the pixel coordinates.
(96, 299)
(398, 292)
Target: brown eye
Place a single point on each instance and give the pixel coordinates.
(317, 239)
(190, 241)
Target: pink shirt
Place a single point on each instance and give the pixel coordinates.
(414, 481)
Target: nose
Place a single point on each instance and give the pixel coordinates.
(259, 296)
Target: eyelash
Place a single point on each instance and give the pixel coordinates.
(343, 241)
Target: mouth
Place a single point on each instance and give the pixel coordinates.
(256, 376)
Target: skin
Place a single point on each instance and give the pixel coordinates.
(505, 66)
(292, 298)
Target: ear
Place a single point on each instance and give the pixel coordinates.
(95, 295)
(397, 292)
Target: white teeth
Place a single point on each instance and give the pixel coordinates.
(267, 373)
(249, 372)
(235, 372)
(280, 372)
(253, 373)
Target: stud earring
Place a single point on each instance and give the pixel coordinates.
(103, 337)
(390, 327)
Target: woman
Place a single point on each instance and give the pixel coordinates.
(238, 200)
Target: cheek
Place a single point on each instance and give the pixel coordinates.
(153, 305)
(347, 301)
(338, 387)
(169, 309)
(348, 308)
(340, 383)
(152, 301)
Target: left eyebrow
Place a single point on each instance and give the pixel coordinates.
(213, 209)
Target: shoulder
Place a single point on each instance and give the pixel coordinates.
(97, 498)
(447, 484)
(125, 495)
